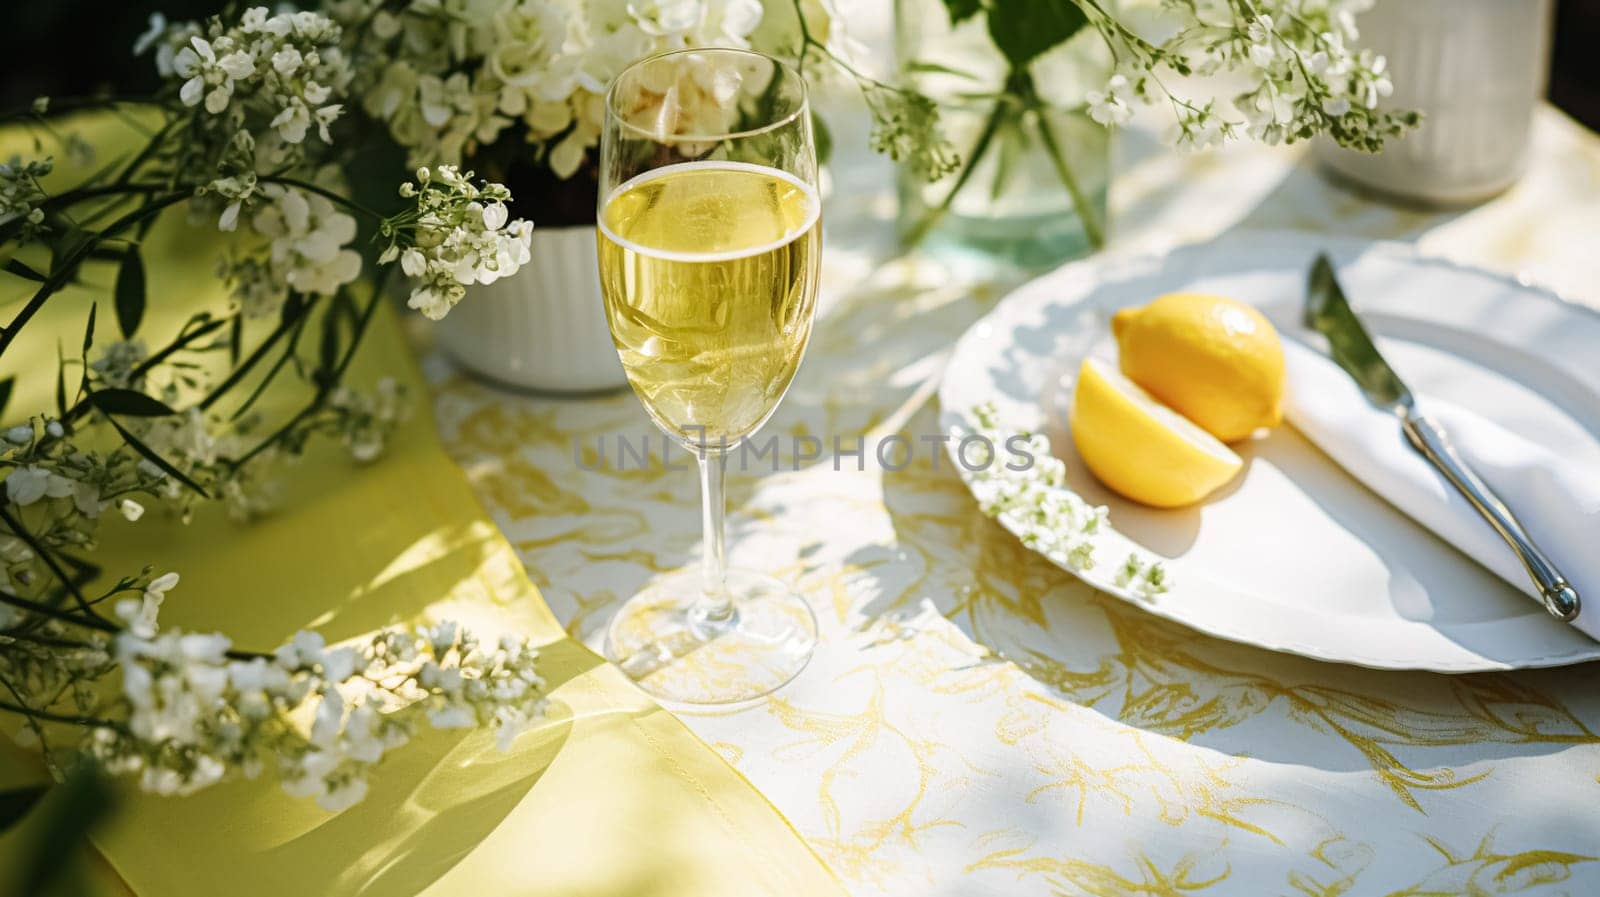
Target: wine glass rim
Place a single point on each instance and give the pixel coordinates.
(788, 70)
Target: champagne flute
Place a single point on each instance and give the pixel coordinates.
(710, 236)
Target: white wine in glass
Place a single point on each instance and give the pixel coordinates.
(709, 240)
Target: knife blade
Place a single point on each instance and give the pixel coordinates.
(1328, 312)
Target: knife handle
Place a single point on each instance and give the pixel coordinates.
(1560, 598)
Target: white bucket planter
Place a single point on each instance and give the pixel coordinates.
(1476, 70)
(544, 328)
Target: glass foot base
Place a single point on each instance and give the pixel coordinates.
(664, 641)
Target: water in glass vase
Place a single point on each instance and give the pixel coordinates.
(709, 270)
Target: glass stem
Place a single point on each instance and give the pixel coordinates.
(715, 605)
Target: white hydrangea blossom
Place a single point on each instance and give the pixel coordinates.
(1042, 511)
(451, 84)
(461, 234)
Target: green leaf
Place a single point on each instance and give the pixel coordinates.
(129, 402)
(17, 267)
(130, 293)
(16, 802)
(962, 10)
(88, 330)
(61, 380)
(1024, 29)
(235, 342)
(150, 455)
(823, 138)
(934, 68)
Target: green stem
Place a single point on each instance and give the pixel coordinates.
(254, 358)
(68, 266)
(326, 388)
(49, 559)
(89, 721)
(183, 340)
(287, 355)
(59, 105)
(969, 164)
(45, 610)
(324, 192)
(1086, 210)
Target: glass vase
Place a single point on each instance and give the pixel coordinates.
(1035, 169)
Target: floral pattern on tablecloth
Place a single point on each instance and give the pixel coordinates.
(975, 721)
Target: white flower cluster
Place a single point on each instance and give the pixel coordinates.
(905, 127)
(308, 251)
(64, 489)
(364, 421)
(264, 81)
(1114, 105)
(461, 234)
(20, 193)
(192, 711)
(1304, 77)
(1048, 517)
(449, 83)
(286, 69)
(310, 244)
(119, 364)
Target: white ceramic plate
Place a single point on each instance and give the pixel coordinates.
(1296, 555)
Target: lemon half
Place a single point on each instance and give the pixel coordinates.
(1214, 360)
(1140, 448)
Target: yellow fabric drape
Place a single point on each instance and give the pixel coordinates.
(613, 796)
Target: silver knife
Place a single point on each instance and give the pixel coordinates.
(1329, 313)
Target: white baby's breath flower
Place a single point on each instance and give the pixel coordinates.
(196, 711)
(1036, 504)
(302, 651)
(21, 193)
(1112, 106)
(309, 251)
(1304, 77)
(26, 485)
(462, 237)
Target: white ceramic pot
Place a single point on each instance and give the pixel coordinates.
(544, 328)
(1476, 69)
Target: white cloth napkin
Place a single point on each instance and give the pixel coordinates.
(1557, 501)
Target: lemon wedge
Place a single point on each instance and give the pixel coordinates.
(1215, 360)
(1140, 448)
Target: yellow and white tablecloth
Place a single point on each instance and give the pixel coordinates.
(977, 722)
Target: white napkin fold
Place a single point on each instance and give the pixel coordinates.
(1557, 501)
